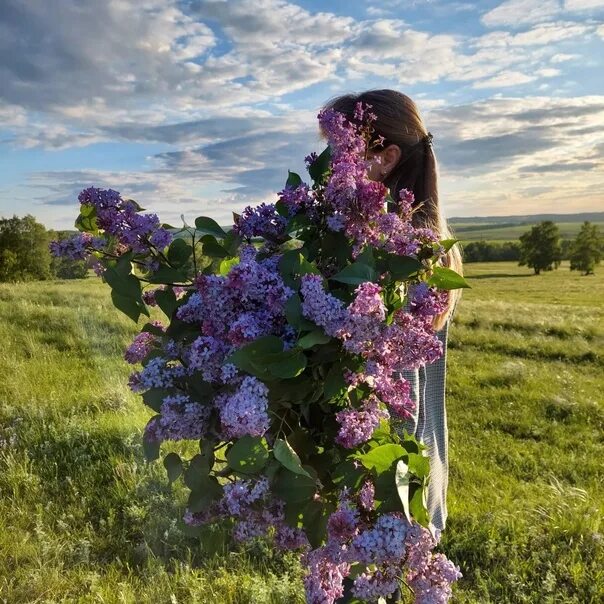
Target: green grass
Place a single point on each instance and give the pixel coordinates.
(84, 519)
(510, 232)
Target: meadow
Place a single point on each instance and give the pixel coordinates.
(83, 518)
(511, 231)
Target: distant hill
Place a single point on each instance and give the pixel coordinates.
(509, 228)
(528, 219)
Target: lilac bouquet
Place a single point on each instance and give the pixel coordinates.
(281, 355)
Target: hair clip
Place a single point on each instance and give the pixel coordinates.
(428, 138)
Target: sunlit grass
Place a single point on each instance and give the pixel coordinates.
(83, 518)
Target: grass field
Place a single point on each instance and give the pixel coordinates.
(510, 232)
(84, 519)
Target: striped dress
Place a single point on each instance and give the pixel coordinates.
(429, 425)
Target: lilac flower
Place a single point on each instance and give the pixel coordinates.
(261, 221)
(426, 301)
(158, 373)
(180, 419)
(76, 247)
(206, 354)
(357, 425)
(380, 583)
(244, 412)
(321, 307)
(366, 496)
(384, 542)
(326, 572)
(141, 346)
(343, 523)
(296, 199)
(241, 494)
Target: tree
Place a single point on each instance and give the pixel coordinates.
(24, 254)
(586, 249)
(540, 247)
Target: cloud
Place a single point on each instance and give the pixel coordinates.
(516, 12)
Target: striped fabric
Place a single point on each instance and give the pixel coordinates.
(429, 426)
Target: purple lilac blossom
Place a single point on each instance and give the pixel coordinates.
(245, 411)
(122, 219)
(357, 425)
(261, 221)
(326, 572)
(76, 247)
(141, 346)
(181, 419)
(158, 373)
(320, 306)
(366, 496)
(426, 301)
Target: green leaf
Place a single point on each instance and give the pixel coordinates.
(173, 465)
(209, 490)
(286, 364)
(419, 465)
(402, 267)
(297, 222)
(284, 454)
(249, 357)
(227, 264)
(319, 168)
(209, 226)
(231, 242)
(150, 446)
(334, 385)
(293, 180)
(198, 470)
(356, 273)
(382, 457)
(417, 506)
(346, 474)
(166, 300)
(212, 248)
(179, 252)
(155, 397)
(402, 478)
(293, 314)
(294, 488)
(445, 278)
(127, 286)
(313, 338)
(248, 455)
(167, 275)
(449, 243)
(128, 306)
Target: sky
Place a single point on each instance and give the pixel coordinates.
(200, 107)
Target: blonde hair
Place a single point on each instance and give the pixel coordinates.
(399, 122)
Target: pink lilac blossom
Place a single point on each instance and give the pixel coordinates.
(245, 411)
(357, 425)
(366, 496)
(343, 523)
(296, 199)
(327, 568)
(426, 301)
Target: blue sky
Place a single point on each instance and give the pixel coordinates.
(200, 107)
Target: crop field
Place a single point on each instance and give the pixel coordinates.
(83, 518)
(510, 232)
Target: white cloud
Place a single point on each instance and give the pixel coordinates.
(504, 79)
(577, 5)
(516, 12)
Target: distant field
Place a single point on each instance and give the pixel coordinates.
(84, 519)
(510, 232)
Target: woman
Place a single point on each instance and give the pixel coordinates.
(405, 160)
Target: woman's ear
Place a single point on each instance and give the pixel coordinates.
(391, 155)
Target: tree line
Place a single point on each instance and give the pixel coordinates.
(24, 253)
(542, 248)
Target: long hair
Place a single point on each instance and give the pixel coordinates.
(399, 122)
